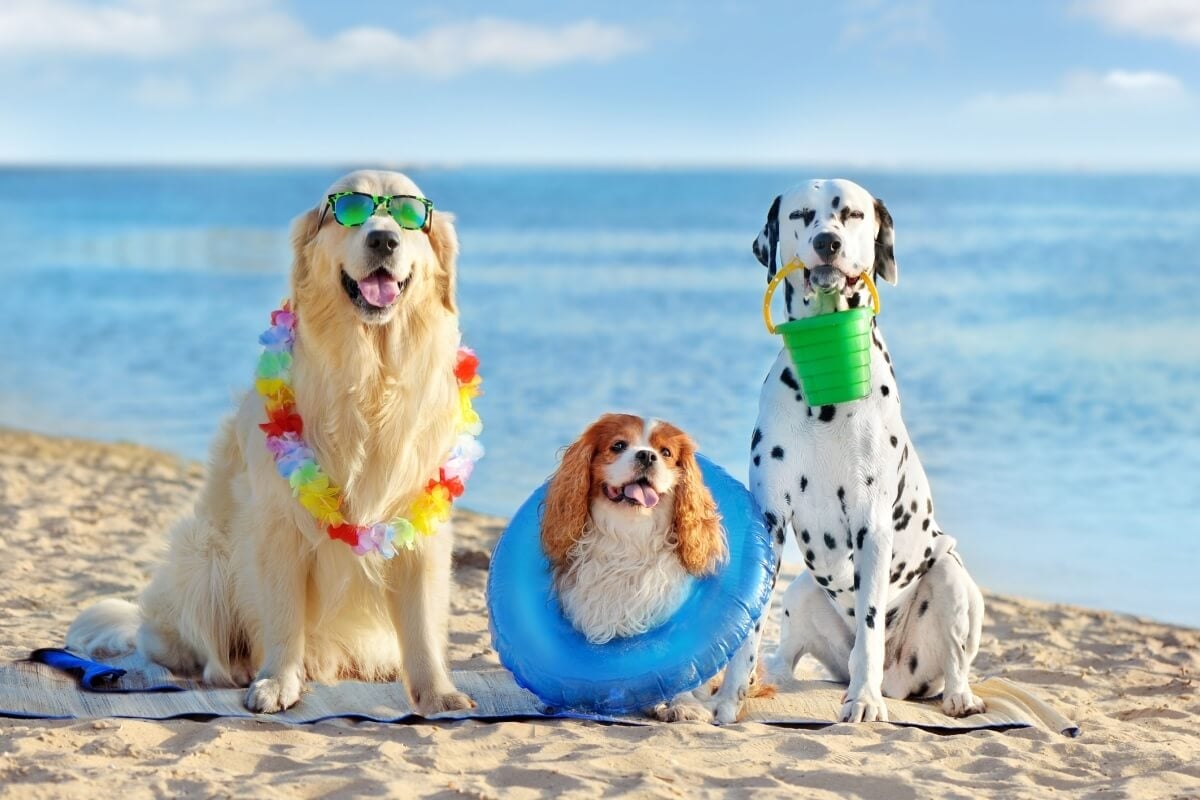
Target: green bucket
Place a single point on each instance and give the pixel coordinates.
(831, 352)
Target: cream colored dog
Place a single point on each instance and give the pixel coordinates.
(252, 592)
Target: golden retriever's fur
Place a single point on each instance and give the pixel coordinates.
(252, 591)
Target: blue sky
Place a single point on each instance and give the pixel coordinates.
(1091, 84)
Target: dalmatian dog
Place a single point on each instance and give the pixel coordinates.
(885, 604)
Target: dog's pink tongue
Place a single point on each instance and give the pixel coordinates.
(379, 290)
(642, 494)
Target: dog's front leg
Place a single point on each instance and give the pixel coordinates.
(422, 611)
(864, 698)
(771, 495)
(280, 576)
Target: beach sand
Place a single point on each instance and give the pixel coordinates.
(80, 521)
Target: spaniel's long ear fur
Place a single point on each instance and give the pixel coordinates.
(567, 502)
(697, 524)
(445, 246)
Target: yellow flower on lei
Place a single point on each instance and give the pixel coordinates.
(430, 510)
(322, 500)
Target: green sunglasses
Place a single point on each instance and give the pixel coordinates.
(351, 209)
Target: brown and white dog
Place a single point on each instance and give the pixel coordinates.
(252, 592)
(627, 520)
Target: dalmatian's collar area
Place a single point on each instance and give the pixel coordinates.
(885, 602)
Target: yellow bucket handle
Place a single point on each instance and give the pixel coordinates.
(794, 265)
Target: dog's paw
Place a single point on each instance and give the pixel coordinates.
(270, 695)
(682, 712)
(962, 704)
(864, 706)
(438, 702)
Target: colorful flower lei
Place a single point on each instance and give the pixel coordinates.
(297, 463)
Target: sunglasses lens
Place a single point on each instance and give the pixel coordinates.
(353, 209)
(410, 212)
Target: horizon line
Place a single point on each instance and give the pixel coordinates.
(632, 165)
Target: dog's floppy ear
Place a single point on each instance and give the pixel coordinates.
(697, 524)
(567, 501)
(304, 228)
(445, 246)
(885, 246)
(767, 242)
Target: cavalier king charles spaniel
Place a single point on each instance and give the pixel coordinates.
(627, 520)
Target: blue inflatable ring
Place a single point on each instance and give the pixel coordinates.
(550, 658)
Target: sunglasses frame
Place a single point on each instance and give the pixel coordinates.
(379, 200)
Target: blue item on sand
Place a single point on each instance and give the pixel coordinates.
(550, 658)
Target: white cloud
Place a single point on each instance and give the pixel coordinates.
(1115, 90)
(259, 44)
(159, 92)
(1167, 19)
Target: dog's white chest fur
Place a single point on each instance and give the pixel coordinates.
(625, 576)
(829, 466)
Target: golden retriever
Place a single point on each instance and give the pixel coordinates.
(252, 591)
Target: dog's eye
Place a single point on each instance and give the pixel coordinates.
(619, 447)
(666, 451)
(857, 215)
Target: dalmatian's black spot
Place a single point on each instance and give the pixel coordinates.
(810, 411)
(854, 300)
(780, 536)
(787, 613)
(903, 523)
(870, 618)
(757, 627)
(899, 491)
(890, 617)
(897, 512)
(922, 690)
(928, 552)
(929, 505)
(925, 525)
(830, 542)
(913, 508)
(822, 580)
(862, 532)
(904, 455)
(850, 612)
(757, 460)
(810, 557)
(827, 413)
(788, 294)
(831, 592)
(777, 453)
(755, 439)
(921, 609)
(803, 483)
(870, 480)
(788, 379)
(841, 493)
(836, 201)
(771, 520)
(850, 542)
(894, 441)
(885, 390)
(912, 664)
(856, 579)
(799, 397)
(804, 537)
(787, 498)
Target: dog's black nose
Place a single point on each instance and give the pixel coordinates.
(646, 457)
(827, 245)
(384, 241)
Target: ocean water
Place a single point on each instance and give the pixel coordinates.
(1044, 332)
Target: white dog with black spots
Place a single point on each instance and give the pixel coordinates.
(885, 603)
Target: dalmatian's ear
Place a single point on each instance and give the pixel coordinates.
(885, 246)
(767, 242)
